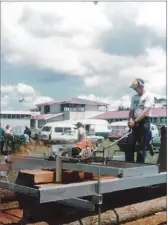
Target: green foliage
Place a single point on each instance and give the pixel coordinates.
(122, 108)
(18, 141)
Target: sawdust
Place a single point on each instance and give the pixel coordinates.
(32, 147)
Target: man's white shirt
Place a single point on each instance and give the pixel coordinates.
(141, 102)
(81, 134)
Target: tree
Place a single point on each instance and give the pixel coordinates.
(122, 108)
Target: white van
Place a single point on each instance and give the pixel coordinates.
(98, 127)
(65, 132)
(55, 130)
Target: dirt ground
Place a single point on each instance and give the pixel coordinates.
(10, 214)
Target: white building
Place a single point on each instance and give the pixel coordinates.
(69, 109)
(16, 118)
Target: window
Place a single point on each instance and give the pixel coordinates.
(27, 116)
(154, 120)
(46, 109)
(72, 107)
(3, 116)
(67, 128)
(9, 116)
(13, 116)
(46, 128)
(58, 129)
(80, 108)
(39, 109)
(65, 107)
(32, 123)
(102, 108)
(163, 120)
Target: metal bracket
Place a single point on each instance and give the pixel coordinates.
(97, 199)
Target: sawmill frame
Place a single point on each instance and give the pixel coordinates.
(128, 176)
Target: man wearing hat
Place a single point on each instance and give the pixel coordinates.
(139, 117)
(81, 131)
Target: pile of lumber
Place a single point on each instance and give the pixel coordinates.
(46, 177)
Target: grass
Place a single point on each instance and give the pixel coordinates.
(110, 152)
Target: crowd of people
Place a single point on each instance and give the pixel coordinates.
(7, 136)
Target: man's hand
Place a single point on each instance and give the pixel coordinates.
(131, 123)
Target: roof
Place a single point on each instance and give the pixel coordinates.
(74, 100)
(156, 112)
(46, 116)
(86, 121)
(16, 112)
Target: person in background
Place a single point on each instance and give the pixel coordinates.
(8, 138)
(27, 138)
(2, 134)
(8, 130)
(81, 132)
(27, 131)
(139, 117)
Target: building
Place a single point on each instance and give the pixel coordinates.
(69, 109)
(16, 118)
(159, 116)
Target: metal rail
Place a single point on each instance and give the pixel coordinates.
(20, 189)
(111, 170)
(73, 191)
(128, 176)
(77, 190)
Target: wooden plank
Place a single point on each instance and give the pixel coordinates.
(47, 185)
(70, 176)
(36, 176)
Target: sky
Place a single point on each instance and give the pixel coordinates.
(57, 50)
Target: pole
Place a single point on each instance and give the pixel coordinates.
(58, 169)
(99, 205)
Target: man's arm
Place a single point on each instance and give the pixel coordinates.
(131, 112)
(148, 105)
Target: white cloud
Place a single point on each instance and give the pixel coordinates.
(91, 81)
(153, 15)
(11, 94)
(113, 103)
(61, 37)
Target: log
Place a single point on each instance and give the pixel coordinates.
(125, 214)
(6, 196)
